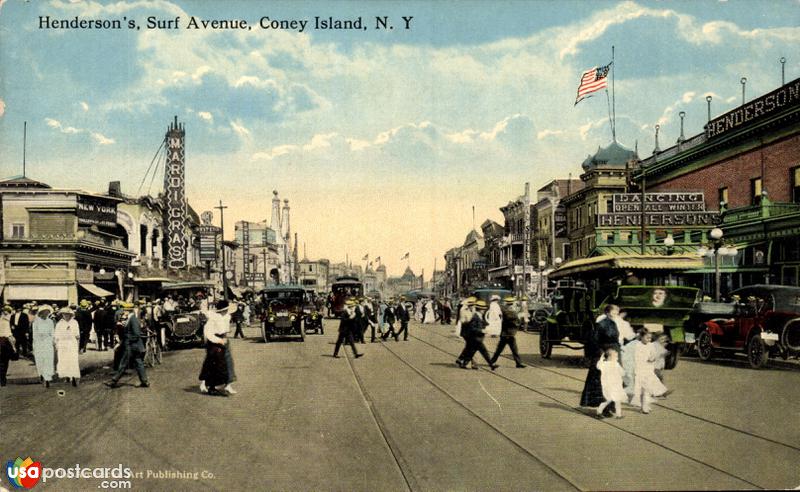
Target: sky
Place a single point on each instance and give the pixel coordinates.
(381, 140)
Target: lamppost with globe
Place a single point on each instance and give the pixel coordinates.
(719, 250)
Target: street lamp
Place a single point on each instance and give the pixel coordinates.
(669, 243)
(716, 235)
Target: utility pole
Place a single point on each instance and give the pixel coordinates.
(221, 209)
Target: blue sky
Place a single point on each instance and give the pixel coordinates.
(382, 141)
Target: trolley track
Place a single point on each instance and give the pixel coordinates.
(655, 403)
(576, 410)
(376, 419)
(555, 470)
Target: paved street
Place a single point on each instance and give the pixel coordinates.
(404, 417)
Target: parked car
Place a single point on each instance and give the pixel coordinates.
(765, 323)
(283, 312)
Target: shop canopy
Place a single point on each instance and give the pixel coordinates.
(628, 262)
(96, 291)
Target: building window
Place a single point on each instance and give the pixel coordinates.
(796, 184)
(723, 195)
(755, 191)
(17, 231)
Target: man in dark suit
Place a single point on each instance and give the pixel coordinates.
(404, 318)
(133, 348)
(20, 326)
(84, 319)
(347, 326)
(508, 331)
(359, 322)
(389, 318)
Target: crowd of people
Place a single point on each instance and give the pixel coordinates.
(54, 337)
(361, 314)
(624, 366)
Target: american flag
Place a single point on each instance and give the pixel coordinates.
(592, 81)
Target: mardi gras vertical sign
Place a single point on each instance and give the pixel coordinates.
(175, 195)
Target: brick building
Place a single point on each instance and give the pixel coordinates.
(747, 164)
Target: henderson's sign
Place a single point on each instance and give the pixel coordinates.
(784, 97)
(678, 209)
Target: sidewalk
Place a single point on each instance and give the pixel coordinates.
(23, 371)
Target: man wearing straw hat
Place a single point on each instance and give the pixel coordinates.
(84, 318)
(347, 327)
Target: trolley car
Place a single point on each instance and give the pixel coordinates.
(341, 289)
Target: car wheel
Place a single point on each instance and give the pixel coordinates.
(704, 347)
(757, 353)
(545, 347)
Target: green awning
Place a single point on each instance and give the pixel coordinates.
(729, 269)
(628, 262)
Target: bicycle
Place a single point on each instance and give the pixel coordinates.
(152, 349)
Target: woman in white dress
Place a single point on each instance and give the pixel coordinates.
(494, 316)
(65, 337)
(430, 313)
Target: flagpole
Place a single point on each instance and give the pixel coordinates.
(610, 119)
(613, 97)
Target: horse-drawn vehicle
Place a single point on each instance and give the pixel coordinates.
(585, 287)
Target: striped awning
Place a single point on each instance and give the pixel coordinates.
(96, 291)
(628, 262)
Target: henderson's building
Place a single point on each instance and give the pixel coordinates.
(745, 164)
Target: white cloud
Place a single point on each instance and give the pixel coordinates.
(275, 152)
(205, 115)
(55, 124)
(240, 129)
(84, 106)
(667, 114)
(102, 139)
(584, 129)
(548, 133)
(71, 130)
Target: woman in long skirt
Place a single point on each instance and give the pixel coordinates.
(215, 367)
(43, 350)
(66, 336)
(604, 336)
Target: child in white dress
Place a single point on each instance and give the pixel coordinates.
(611, 380)
(646, 384)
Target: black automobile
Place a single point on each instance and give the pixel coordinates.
(283, 314)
